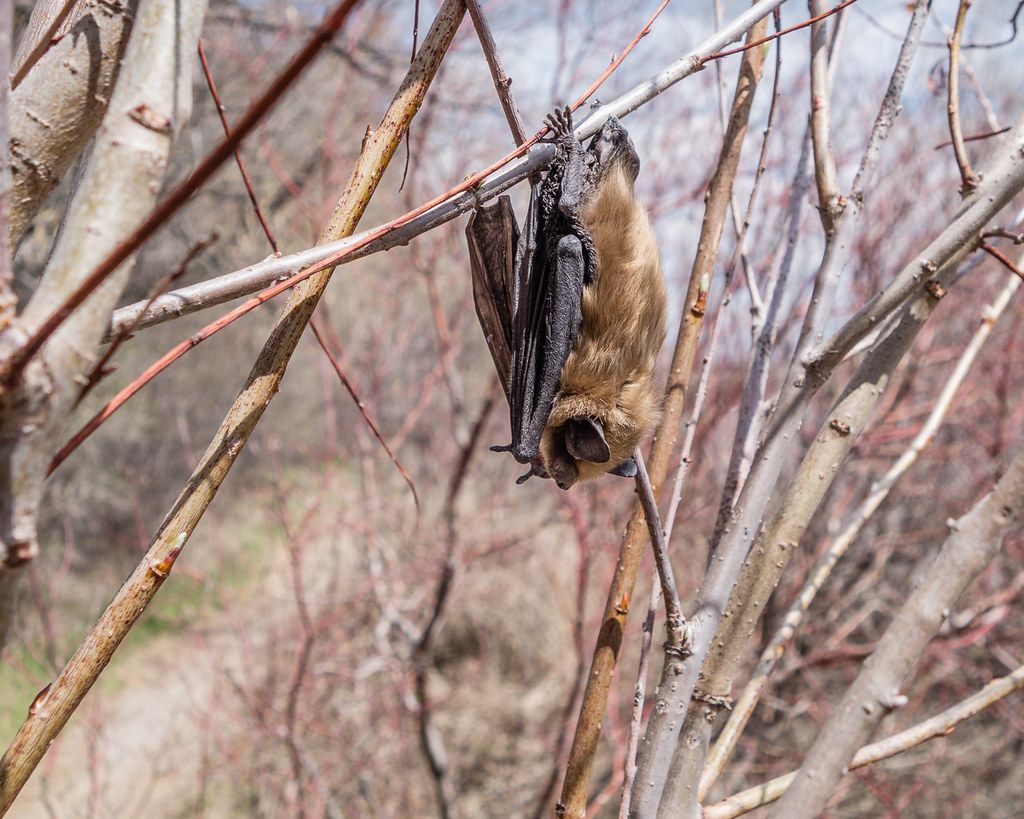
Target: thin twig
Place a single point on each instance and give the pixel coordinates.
(675, 623)
(816, 19)
(975, 137)
(502, 81)
(968, 178)
(361, 406)
(222, 114)
(1004, 260)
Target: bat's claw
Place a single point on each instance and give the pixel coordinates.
(501, 448)
(560, 123)
(536, 470)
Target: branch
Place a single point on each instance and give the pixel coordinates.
(57, 107)
(502, 81)
(973, 542)
(968, 178)
(941, 725)
(1001, 257)
(825, 173)
(443, 208)
(675, 623)
(745, 704)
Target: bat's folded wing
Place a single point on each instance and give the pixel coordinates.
(549, 288)
(493, 236)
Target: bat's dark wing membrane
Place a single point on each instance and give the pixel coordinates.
(549, 287)
(493, 237)
(530, 306)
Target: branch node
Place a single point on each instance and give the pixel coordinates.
(718, 703)
(934, 288)
(839, 426)
(39, 700)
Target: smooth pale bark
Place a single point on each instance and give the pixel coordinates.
(118, 188)
(58, 106)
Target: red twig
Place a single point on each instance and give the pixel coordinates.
(238, 156)
(974, 137)
(997, 254)
(339, 370)
(777, 34)
(47, 39)
(12, 367)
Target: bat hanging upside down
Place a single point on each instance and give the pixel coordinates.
(573, 309)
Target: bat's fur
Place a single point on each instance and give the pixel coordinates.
(609, 375)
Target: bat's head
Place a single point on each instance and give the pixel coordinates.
(572, 444)
(612, 145)
(593, 432)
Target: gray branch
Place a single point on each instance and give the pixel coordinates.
(973, 542)
(255, 277)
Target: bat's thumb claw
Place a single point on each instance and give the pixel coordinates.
(501, 448)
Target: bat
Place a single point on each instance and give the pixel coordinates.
(573, 309)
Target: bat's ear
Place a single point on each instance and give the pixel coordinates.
(584, 439)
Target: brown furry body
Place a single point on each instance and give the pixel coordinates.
(609, 375)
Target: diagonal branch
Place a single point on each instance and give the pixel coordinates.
(451, 204)
(941, 725)
(746, 703)
(973, 542)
